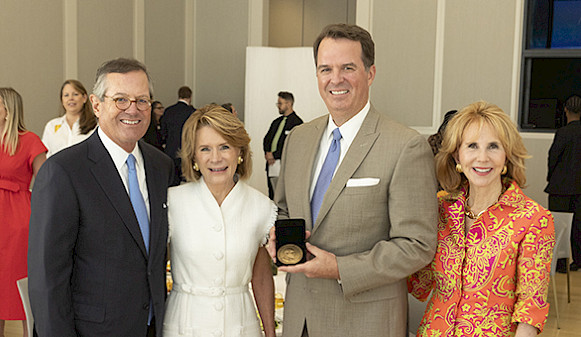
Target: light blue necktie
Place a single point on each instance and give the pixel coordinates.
(137, 201)
(140, 212)
(326, 174)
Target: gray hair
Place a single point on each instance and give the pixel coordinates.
(121, 66)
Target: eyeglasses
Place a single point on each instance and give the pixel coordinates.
(123, 103)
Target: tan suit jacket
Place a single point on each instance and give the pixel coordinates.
(380, 233)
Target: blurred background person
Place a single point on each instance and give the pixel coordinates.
(230, 107)
(21, 155)
(172, 123)
(76, 124)
(564, 177)
(435, 140)
(490, 275)
(273, 142)
(153, 133)
(218, 227)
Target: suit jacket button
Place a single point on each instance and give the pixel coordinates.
(146, 306)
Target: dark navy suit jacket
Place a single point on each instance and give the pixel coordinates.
(89, 272)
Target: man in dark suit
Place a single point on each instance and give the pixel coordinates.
(98, 226)
(172, 123)
(365, 186)
(564, 176)
(274, 140)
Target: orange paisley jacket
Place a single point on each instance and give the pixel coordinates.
(486, 282)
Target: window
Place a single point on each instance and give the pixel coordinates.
(551, 67)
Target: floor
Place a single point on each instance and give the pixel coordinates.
(570, 313)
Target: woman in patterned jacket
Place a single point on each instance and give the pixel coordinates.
(490, 275)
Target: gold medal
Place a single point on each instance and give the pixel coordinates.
(289, 254)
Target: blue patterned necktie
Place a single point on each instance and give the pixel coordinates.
(137, 201)
(326, 174)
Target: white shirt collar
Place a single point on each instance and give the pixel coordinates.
(117, 153)
(350, 128)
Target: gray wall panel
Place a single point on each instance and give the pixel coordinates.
(31, 60)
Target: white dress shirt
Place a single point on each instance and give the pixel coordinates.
(348, 132)
(119, 157)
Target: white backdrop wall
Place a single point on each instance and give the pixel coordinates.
(268, 71)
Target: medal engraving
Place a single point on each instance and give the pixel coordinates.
(289, 254)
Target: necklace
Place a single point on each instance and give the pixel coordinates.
(469, 213)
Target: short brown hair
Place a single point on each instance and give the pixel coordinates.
(480, 112)
(287, 96)
(573, 104)
(227, 125)
(184, 92)
(350, 32)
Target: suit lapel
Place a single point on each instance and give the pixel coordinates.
(359, 148)
(113, 187)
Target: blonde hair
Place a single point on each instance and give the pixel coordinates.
(480, 112)
(12, 102)
(227, 125)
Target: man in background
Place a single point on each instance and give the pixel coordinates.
(172, 123)
(274, 140)
(564, 177)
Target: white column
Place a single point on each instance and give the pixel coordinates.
(70, 42)
(139, 30)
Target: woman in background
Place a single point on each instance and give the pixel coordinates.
(218, 227)
(77, 123)
(490, 275)
(21, 155)
(153, 133)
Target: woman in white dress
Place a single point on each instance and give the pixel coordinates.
(218, 228)
(76, 124)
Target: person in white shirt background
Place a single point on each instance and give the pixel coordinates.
(76, 124)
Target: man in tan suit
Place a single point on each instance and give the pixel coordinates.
(375, 223)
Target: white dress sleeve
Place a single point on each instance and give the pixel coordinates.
(269, 223)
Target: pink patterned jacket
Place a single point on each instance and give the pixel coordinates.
(486, 282)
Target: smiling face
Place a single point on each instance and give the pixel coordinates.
(342, 78)
(216, 159)
(482, 156)
(124, 127)
(72, 99)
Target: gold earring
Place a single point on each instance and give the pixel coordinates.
(458, 168)
(504, 170)
(196, 168)
(240, 160)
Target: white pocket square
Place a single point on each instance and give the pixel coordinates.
(360, 182)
